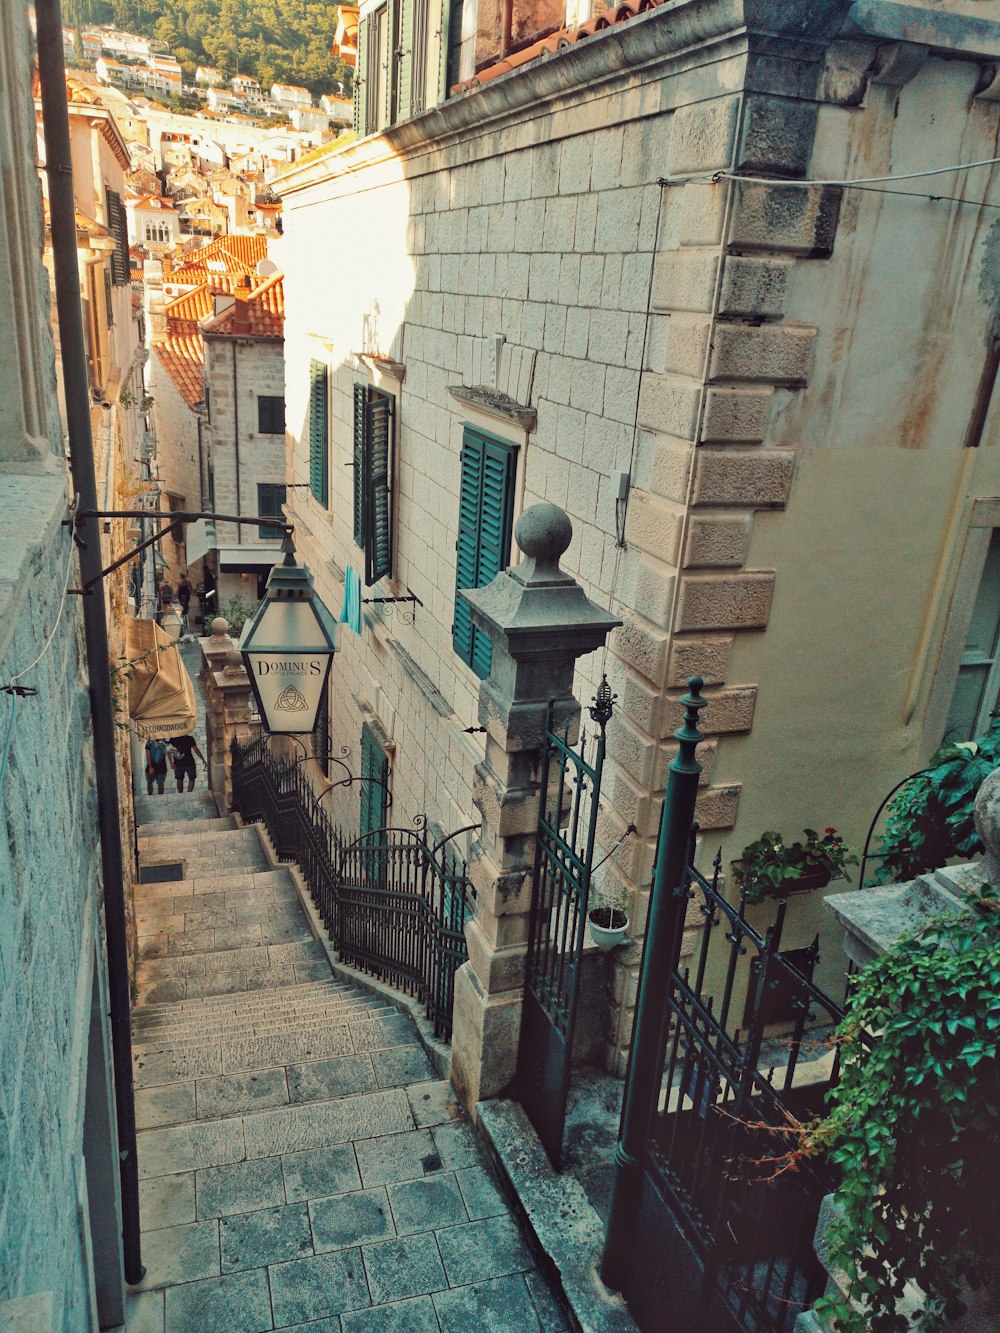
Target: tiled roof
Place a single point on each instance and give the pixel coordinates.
(182, 357)
(262, 314)
(150, 201)
(184, 313)
(556, 41)
(234, 255)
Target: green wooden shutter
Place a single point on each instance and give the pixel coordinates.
(405, 11)
(496, 513)
(118, 227)
(360, 424)
(440, 94)
(378, 486)
(361, 77)
(467, 546)
(319, 476)
(375, 771)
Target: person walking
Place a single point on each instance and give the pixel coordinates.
(156, 765)
(184, 591)
(185, 748)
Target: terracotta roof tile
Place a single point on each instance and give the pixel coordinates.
(182, 357)
(259, 313)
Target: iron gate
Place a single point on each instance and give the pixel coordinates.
(393, 902)
(567, 818)
(724, 1234)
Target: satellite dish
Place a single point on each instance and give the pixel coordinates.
(265, 267)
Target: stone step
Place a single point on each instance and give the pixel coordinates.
(275, 1008)
(224, 880)
(184, 828)
(242, 1054)
(172, 805)
(233, 1006)
(222, 960)
(186, 1037)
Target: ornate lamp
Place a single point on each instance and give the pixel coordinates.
(287, 647)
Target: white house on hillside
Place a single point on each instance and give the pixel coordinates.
(289, 95)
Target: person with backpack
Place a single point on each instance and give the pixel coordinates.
(183, 749)
(156, 765)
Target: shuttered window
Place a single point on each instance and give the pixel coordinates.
(270, 415)
(402, 51)
(270, 499)
(374, 413)
(319, 474)
(118, 228)
(485, 515)
(375, 772)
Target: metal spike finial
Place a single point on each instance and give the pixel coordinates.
(603, 704)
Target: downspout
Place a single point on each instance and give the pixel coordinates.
(236, 441)
(58, 167)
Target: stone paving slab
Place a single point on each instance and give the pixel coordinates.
(240, 1187)
(167, 1201)
(427, 1204)
(350, 1219)
(412, 1316)
(396, 1269)
(502, 1305)
(164, 1105)
(290, 1129)
(235, 1303)
(217, 1097)
(180, 1254)
(320, 1172)
(187, 1147)
(316, 1288)
(265, 1236)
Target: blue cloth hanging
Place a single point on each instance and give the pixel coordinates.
(350, 613)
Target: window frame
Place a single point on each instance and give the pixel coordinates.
(476, 556)
(319, 432)
(267, 411)
(270, 488)
(374, 483)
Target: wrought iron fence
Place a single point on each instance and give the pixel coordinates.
(736, 1083)
(393, 902)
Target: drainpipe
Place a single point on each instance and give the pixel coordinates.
(236, 442)
(58, 167)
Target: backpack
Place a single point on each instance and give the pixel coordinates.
(157, 753)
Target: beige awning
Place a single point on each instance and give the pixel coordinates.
(161, 700)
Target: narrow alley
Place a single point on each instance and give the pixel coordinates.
(301, 1166)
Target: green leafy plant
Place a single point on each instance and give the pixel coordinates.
(930, 819)
(915, 1127)
(769, 866)
(237, 612)
(610, 904)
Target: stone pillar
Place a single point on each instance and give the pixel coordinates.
(539, 622)
(226, 687)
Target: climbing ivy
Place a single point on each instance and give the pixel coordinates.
(915, 1126)
(930, 819)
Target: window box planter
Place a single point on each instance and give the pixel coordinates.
(807, 882)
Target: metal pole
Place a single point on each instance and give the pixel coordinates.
(58, 166)
(664, 926)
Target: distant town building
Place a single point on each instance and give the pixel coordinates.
(152, 221)
(208, 77)
(308, 118)
(288, 95)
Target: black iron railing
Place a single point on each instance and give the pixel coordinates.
(393, 902)
(739, 1075)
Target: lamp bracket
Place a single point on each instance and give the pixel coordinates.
(175, 518)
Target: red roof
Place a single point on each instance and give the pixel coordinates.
(259, 313)
(182, 357)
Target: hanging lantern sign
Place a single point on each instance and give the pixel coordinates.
(288, 646)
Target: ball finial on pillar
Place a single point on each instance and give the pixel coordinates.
(544, 533)
(220, 626)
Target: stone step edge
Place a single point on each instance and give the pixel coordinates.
(223, 960)
(188, 1036)
(198, 1003)
(305, 1027)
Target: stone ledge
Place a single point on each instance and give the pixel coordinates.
(34, 507)
(560, 1219)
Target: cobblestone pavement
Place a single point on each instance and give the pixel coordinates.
(301, 1167)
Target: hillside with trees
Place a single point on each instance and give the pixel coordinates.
(284, 41)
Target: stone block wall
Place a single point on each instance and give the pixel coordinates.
(49, 906)
(533, 210)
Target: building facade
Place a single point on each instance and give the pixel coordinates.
(60, 1226)
(614, 268)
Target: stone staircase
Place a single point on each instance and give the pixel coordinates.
(299, 1159)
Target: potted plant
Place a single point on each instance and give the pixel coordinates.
(772, 868)
(608, 920)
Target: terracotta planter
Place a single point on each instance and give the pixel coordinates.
(610, 930)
